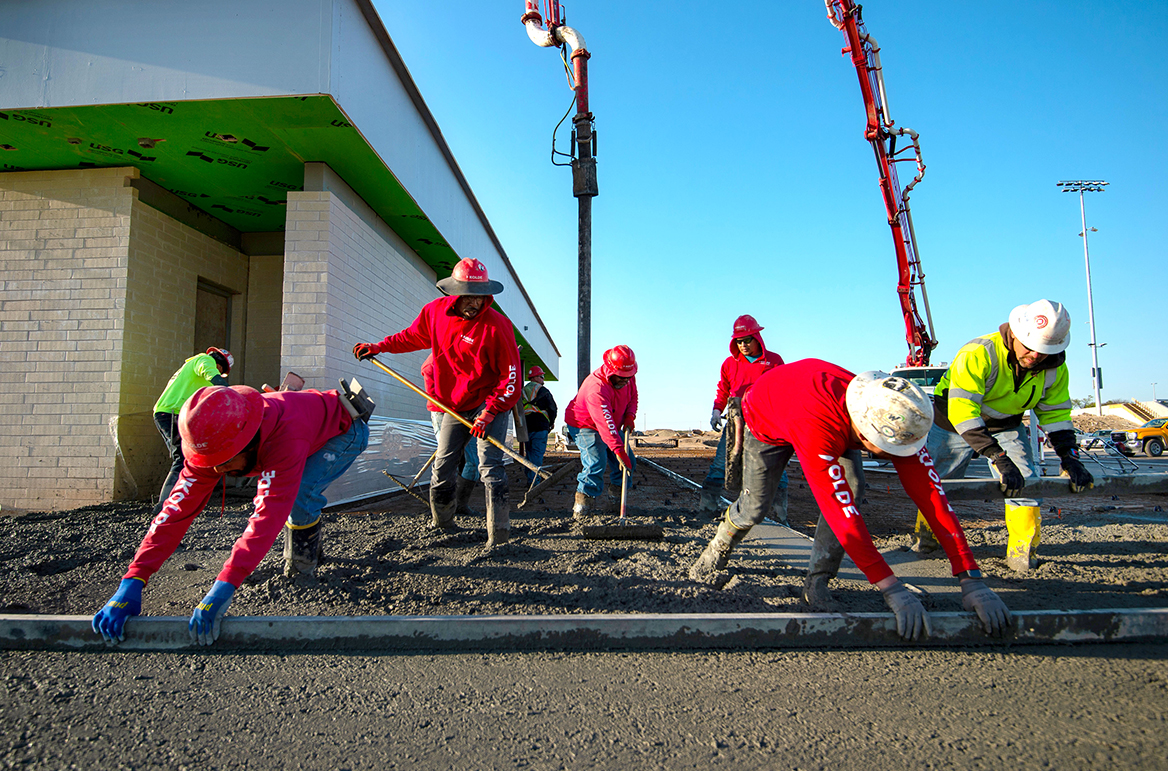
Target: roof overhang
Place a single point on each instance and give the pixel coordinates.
(222, 104)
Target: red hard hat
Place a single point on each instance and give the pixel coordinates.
(218, 422)
(745, 326)
(469, 277)
(620, 361)
(535, 372)
(226, 354)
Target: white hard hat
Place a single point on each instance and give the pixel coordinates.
(1043, 326)
(890, 412)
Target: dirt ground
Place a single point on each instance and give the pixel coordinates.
(380, 558)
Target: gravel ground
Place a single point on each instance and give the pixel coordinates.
(381, 560)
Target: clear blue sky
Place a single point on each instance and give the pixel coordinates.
(734, 176)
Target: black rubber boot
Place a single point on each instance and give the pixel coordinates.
(710, 503)
(779, 508)
(463, 489)
(498, 516)
(303, 549)
(717, 551)
(823, 565)
(442, 511)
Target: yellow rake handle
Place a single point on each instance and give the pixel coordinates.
(405, 381)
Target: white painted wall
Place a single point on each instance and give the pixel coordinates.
(77, 52)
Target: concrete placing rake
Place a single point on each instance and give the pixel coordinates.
(623, 530)
(540, 473)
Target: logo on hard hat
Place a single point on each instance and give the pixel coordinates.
(1041, 321)
(471, 271)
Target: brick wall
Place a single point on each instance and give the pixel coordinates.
(97, 294)
(64, 239)
(265, 301)
(348, 278)
(166, 261)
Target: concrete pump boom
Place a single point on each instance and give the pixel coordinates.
(881, 132)
(584, 186)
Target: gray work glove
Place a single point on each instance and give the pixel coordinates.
(912, 621)
(716, 420)
(995, 616)
(1011, 481)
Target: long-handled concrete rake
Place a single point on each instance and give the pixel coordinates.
(406, 382)
(622, 530)
(409, 488)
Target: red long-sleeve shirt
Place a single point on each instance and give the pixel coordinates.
(739, 373)
(295, 424)
(802, 405)
(428, 382)
(476, 361)
(604, 409)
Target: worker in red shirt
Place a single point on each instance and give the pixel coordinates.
(599, 416)
(296, 442)
(477, 374)
(822, 412)
(747, 361)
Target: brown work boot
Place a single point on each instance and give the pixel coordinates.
(609, 501)
(582, 507)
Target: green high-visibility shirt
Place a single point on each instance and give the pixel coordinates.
(195, 373)
(981, 391)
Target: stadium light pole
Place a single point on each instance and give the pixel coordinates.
(1081, 186)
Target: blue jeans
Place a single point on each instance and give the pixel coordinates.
(323, 468)
(716, 476)
(533, 449)
(952, 455)
(470, 455)
(595, 457)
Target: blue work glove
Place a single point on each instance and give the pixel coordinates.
(110, 621)
(208, 615)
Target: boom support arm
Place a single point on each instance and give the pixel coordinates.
(881, 132)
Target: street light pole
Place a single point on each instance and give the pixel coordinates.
(1153, 392)
(1081, 186)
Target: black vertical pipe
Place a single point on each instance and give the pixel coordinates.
(584, 292)
(584, 188)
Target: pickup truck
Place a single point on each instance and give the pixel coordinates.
(1150, 438)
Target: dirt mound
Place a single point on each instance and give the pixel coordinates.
(1089, 423)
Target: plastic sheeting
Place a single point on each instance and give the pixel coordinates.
(396, 445)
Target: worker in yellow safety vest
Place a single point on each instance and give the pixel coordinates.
(978, 407)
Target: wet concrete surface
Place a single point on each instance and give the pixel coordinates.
(1083, 707)
(1057, 707)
